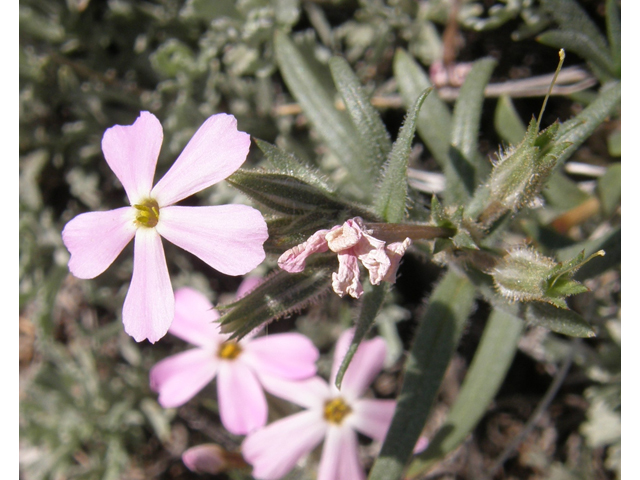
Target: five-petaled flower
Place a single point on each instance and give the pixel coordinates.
(332, 414)
(227, 237)
(240, 367)
(352, 242)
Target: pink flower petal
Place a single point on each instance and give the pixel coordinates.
(149, 306)
(347, 280)
(348, 235)
(132, 153)
(377, 262)
(309, 393)
(205, 458)
(288, 355)
(365, 365)
(215, 151)
(293, 260)
(395, 251)
(180, 377)
(340, 459)
(243, 406)
(275, 449)
(195, 319)
(227, 237)
(372, 417)
(95, 239)
(247, 285)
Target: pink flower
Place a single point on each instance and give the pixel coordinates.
(211, 458)
(228, 237)
(332, 415)
(352, 242)
(240, 367)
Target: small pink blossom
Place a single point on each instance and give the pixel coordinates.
(242, 368)
(352, 242)
(227, 237)
(331, 414)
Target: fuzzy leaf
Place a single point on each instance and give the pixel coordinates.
(391, 196)
(614, 35)
(281, 294)
(507, 122)
(434, 120)
(610, 188)
(434, 344)
(369, 308)
(486, 373)
(580, 127)
(316, 101)
(571, 17)
(465, 125)
(560, 320)
(374, 138)
(283, 193)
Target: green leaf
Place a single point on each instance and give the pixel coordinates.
(560, 320)
(434, 344)
(614, 35)
(283, 193)
(472, 168)
(610, 188)
(369, 308)
(391, 195)
(569, 15)
(580, 127)
(562, 192)
(507, 122)
(286, 162)
(486, 373)
(374, 138)
(279, 295)
(316, 101)
(434, 120)
(581, 44)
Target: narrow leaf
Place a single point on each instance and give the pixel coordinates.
(317, 103)
(507, 122)
(391, 196)
(281, 294)
(374, 138)
(486, 373)
(580, 127)
(434, 344)
(570, 16)
(614, 34)
(434, 120)
(560, 320)
(472, 168)
(369, 308)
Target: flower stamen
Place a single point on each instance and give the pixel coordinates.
(336, 410)
(148, 213)
(229, 350)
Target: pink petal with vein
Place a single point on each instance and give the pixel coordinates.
(132, 153)
(365, 365)
(195, 319)
(372, 417)
(310, 393)
(293, 260)
(180, 377)
(149, 306)
(227, 237)
(215, 151)
(274, 450)
(343, 238)
(95, 239)
(288, 355)
(339, 459)
(347, 279)
(243, 406)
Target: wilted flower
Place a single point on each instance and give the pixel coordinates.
(211, 458)
(352, 242)
(240, 367)
(227, 237)
(333, 415)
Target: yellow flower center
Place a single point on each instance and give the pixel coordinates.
(229, 350)
(148, 213)
(336, 410)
